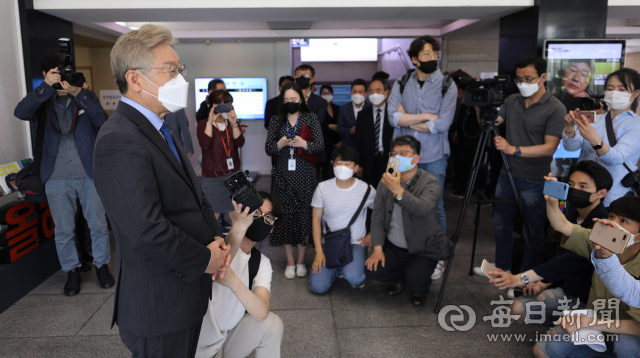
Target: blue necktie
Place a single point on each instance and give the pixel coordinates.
(167, 136)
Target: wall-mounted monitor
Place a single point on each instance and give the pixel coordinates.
(340, 50)
(249, 95)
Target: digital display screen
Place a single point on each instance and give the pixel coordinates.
(340, 50)
(249, 95)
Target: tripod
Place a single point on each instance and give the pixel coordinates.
(489, 130)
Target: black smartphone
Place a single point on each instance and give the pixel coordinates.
(291, 136)
(223, 108)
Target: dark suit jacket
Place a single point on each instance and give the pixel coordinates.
(346, 120)
(365, 141)
(203, 111)
(179, 126)
(318, 105)
(90, 118)
(270, 110)
(161, 222)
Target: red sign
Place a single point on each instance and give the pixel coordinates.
(28, 225)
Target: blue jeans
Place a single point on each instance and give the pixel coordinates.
(535, 211)
(353, 272)
(62, 195)
(626, 346)
(439, 170)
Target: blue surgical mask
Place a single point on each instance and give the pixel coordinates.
(405, 163)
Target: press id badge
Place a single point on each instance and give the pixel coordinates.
(229, 163)
(292, 164)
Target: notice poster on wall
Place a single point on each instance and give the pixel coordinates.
(109, 99)
(8, 177)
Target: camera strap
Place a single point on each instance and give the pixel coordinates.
(612, 136)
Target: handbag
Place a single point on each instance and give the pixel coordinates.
(631, 180)
(305, 133)
(337, 244)
(28, 178)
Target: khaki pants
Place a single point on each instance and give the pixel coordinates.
(265, 337)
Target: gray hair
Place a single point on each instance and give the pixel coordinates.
(133, 50)
(409, 140)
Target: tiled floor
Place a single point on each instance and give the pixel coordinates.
(345, 322)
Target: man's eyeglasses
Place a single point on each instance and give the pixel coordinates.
(173, 70)
(403, 153)
(268, 218)
(519, 80)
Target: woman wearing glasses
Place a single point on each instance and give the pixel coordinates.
(220, 136)
(294, 177)
(238, 320)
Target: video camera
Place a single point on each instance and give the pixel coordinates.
(484, 93)
(66, 72)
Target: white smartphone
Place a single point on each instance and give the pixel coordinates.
(486, 267)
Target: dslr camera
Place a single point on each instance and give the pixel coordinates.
(592, 103)
(484, 93)
(67, 72)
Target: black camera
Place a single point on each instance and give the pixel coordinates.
(592, 103)
(484, 93)
(66, 72)
(242, 191)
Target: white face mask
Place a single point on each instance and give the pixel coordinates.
(342, 172)
(632, 239)
(528, 89)
(617, 100)
(225, 115)
(327, 97)
(377, 99)
(357, 98)
(173, 95)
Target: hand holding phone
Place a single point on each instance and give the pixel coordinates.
(392, 166)
(589, 115)
(608, 237)
(486, 267)
(556, 189)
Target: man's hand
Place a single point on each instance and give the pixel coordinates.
(601, 252)
(333, 127)
(392, 183)
(228, 279)
(220, 258)
(551, 200)
(401, 108)
(377, 256)
(503, 145)
(52, 77)
(319, 262)
(505, 280)
(189, 154)
(365, 241)
(353, 130)
(533, 289)
(72, 90)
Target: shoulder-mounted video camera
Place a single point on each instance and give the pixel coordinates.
(484, 93)
(67, 72)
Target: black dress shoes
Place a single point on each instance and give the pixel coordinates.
(72, 287)
(86, 267)
(395, 289)
(418, 300)
(105, 277)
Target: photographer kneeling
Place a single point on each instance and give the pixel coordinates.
(406, 237)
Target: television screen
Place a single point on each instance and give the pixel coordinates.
(340, 50)
(249, 95)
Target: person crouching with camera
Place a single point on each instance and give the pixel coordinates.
(219, 136)
(406, 237)
(72, 118)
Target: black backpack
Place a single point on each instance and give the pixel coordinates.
(254, 265)
(446, 82)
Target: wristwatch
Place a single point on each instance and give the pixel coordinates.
(399, 196)
(518, 152)
(524, 278)
(598, 146)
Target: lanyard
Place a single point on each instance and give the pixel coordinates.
(226, 150)
(294, 132)
(60, 104)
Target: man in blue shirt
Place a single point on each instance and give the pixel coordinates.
(74, 117)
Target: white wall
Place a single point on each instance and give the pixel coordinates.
(246, 59)
(13, 132)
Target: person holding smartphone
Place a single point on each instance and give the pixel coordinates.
(621, 96)
(220, 136)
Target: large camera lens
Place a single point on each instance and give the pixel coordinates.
(76, 79)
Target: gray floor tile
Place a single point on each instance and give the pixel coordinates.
(49, 315)
(63, 347)
(100, 323)
(308, 333)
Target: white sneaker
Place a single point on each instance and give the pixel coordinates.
(437, 273)
(359, 286)
(301, 271)
(290, 272)
(478, 272)
(511, 293)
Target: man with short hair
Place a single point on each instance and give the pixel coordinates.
(73, 116)
(349, 112)
(214, 84)
(271, 108)
(373, 134)
(336, 201)
(535, 121)
(423, 111)
(406, 238)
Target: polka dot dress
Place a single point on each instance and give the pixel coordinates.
(294, 188)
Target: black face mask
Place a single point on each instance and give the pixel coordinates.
(291, 107)
(428, 67)
(579, 198)
(303, 82)
(259, 230)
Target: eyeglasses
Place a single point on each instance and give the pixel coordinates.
(403, 153)
(268, 218)
(430, 54)
(173, 70)
(303, 75)
(519, 80)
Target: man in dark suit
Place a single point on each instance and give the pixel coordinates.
(271, 108)
(168, 241)
(374, 133)
(203, 111)
(349, 112)
(179, 126)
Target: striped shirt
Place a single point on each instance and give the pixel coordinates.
(427, 99)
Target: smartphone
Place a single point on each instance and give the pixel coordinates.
(223, 108)
(392, 166)
(292, 136)
(486, 267)
(608, 237)
(556, 189)
(589, 115)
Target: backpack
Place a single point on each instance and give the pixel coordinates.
(446, 82)
(254, 265)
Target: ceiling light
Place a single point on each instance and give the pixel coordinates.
(121, 23)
